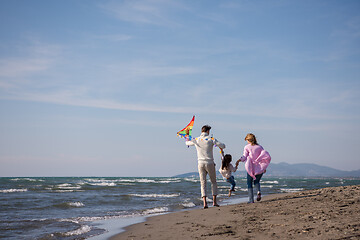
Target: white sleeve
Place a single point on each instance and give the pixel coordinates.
(190, 143)
(219, 144)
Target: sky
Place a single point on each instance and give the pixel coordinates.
(100, 88)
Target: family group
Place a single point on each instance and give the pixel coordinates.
(255, 157)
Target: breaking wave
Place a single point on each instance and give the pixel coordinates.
(155, 195)
(13, 190)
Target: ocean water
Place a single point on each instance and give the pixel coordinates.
(72, 207)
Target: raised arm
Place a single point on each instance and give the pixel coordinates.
(222, 153)
(190, 143)
(219, 144)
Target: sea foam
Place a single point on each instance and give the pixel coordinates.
(144, 180)
(291, 190)
(155, 195)
(68, 186)
(75, 204)
(188, 204)
(109, 184)
(192, 180)
(27, 179)
(155, 210)
(83, 229)
(100, 182)
(271, 182)
(13, 190)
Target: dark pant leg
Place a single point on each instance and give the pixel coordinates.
(249, 181)
(231, 180)
(257, 182)
(250, 188)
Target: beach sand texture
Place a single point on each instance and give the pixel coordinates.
(328, 213)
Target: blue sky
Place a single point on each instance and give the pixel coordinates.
(100, 88)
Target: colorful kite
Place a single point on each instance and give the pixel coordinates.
(186, 132)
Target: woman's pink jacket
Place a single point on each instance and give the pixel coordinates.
(257, 159)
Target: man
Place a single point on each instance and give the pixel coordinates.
(204, 145)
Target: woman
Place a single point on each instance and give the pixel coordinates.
(256, 161)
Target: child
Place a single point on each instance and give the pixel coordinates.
(226, 169)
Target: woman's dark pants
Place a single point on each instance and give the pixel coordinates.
(250, 181)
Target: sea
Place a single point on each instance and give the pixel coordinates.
(99, 207)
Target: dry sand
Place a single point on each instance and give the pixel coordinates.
(328, 213)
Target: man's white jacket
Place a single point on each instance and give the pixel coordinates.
(204, 145)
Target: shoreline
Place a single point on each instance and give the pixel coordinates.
(123, 224)
(116, 226)
(326, 213)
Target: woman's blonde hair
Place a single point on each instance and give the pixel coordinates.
(251, 138)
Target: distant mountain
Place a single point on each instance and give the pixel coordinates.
(188, 175)
(307, 170)
(294, 170)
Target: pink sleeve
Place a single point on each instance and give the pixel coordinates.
(245, 154)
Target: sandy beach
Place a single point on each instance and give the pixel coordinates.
(328, 213)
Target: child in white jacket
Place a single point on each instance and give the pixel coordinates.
(226, 171)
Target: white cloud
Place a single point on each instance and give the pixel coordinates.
(37, 57)
(153, 12)
(80, 97)
(115, 37)
(73, 98)
(22, 67)
(146, 70)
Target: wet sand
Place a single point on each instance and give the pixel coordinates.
(328, 213)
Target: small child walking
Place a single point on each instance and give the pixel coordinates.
(226, 171)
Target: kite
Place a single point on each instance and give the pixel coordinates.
(186, 132)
